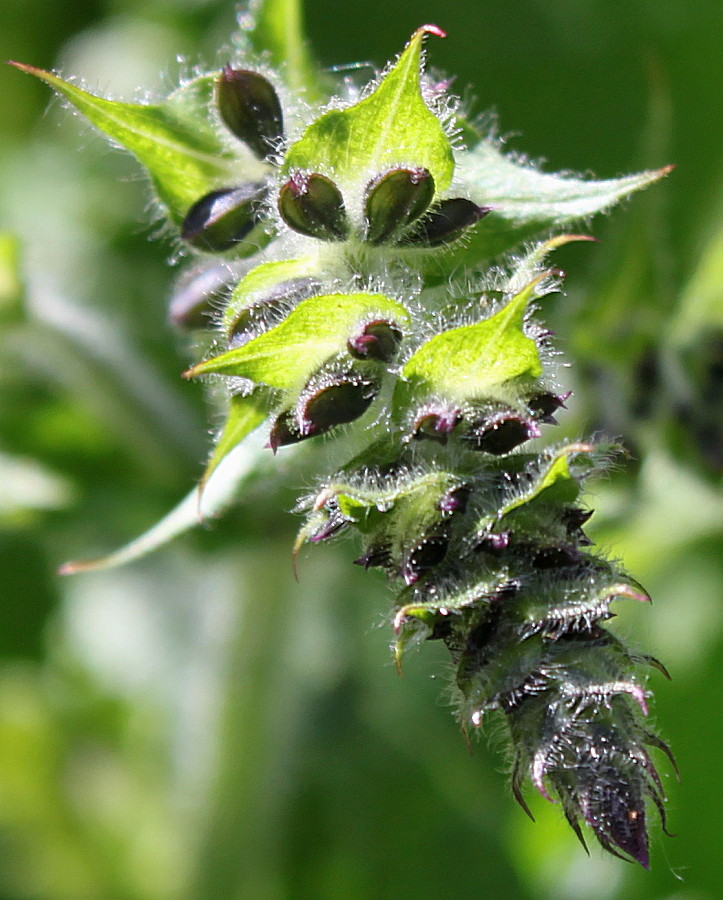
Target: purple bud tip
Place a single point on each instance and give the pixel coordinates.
(454, 500)
(379, 340)
(447, 421)
(432, 29)
(499, 541)
(436, 424)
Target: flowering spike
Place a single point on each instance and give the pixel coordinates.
(480, 530)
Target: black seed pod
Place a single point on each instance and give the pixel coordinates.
(312, 205)
(250, 108)
(198, 294)
(336, 404)
(270, 308)
(424, 555)
(544, 405)
(328, 400)
(394, 200)
(378, 340)
(573, 520)
(445, 223)
(553, 557)
(501, 431)
(222, 218)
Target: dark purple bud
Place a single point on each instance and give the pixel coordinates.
(394, 200)
(312, 205)
(337, 404)
(425, 555)
(500, 432)
(445, 223)
(614, 808)
(198, 295)
(543, 406)
(270, 309)
(334, 523)
(283, 432)
(436, 424)
(250, 108)
(334, 402)
(378, 340)
(222, 218)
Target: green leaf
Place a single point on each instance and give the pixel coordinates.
(316, 330)
(265, 278)
(221, 490)
(393, 126)
(354, 499)
(278, 29)
(528, 203)
(175, 140)
(554, 483)
(471, 361)
(245, 413)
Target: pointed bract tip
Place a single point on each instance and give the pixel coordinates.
(561, 239)
(430, 29)
(24, 67)
(200, 518)
(78, 566)
(295, 559)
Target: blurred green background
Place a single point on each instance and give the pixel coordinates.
(198, 725)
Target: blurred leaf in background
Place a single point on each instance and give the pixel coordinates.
(200, 726)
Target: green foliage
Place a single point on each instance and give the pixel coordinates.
(527, 201)
(319, 328)
(392, 126)
(466, 362)
(175, 141)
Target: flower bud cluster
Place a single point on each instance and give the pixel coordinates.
(482, 532)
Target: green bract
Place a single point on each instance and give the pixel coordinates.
(176, 141)
(315, 331)
(393, 126)
(354, 236)
(527, 202)
(471, 361)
